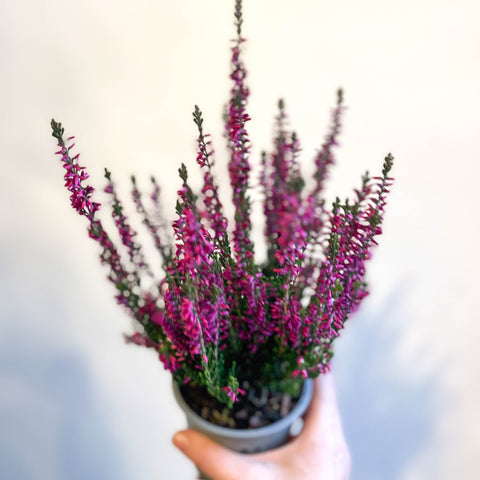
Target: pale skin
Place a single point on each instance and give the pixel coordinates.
(320, 452)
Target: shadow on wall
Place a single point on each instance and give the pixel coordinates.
(388, 418)
(52, 424)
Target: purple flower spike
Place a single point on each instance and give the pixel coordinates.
(216, 317)
(158, 231)
(127, 234)
(213, 205)
(74, 177)
(239, 146)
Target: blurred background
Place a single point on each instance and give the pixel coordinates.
(75, 402)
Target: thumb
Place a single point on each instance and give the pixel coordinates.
(214, 460)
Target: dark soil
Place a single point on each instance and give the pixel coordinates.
(258, 408)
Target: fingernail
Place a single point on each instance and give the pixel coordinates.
(180, 440)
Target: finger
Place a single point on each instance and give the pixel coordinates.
(323, 415)
(216, 461)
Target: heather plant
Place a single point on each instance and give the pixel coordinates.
(217, 318)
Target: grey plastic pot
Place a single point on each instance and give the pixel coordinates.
(248, 440)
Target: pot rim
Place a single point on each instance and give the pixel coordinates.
(285, 422)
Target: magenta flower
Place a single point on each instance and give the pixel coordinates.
(216, 316)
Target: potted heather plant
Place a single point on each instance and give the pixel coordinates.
(242, 338)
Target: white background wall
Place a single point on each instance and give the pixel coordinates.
(75, 402)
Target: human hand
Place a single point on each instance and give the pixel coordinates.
(320, 452)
